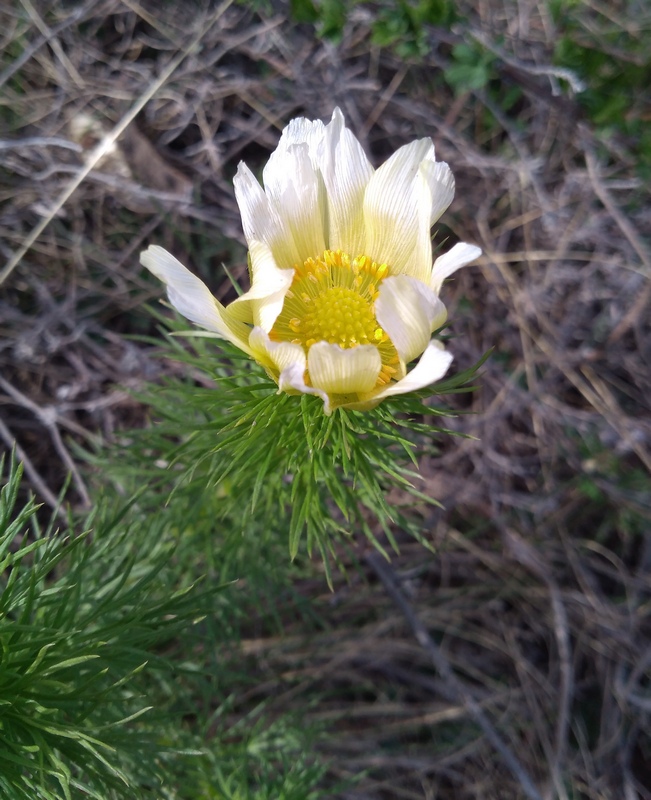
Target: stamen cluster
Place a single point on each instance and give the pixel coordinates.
(331, 299)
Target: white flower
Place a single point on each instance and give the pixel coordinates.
(343, 291)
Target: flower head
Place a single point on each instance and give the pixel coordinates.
(343, 292)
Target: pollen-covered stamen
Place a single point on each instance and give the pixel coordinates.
(341, 316)
(386, 374)
(332, 299)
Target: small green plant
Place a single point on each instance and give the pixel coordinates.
(471, 68)
(611, 55)
(617, 491)
(401, 25)
(103, 658)
(81, 618)
(329, 16)
(267, 456)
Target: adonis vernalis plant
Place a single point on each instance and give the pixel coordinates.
(343, 293)
(343, 297)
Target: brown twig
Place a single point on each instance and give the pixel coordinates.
(455, 687)
(49, 417)
(32, 473)
(109, 141)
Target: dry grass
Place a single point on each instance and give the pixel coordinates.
(539, 594)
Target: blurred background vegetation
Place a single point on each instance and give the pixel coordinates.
(157, 646)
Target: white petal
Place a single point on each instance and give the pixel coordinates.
(295, 189)
(300, 130)
(192, 298)
(276, 356)
(419, 264)
(292, 381)
(397, 211)
(433, 365)
(343, 371)
(408, 311)
(264, 300)
(260, 219)
(460, 255)
(440, 181)
(346, 172)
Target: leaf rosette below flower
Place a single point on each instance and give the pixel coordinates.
(344, 294)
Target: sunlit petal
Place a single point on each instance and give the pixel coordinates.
(292, 381)
(295, 188)
(431, 367)
(393, 213)
(460, 255)
(343, 371)
(275, 356)
(192, 298)
(264, 300)
(299, 131)
(346, 172)
(408, 311)
(440, 182)
(260, 219)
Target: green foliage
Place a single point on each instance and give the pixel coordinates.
(272, 763)
(328, 16)
(400, 25)
(249, 454)
(471, 68)
(79, 616)
(105, 653)
(611, 54)
(618, 491)
(403, 25)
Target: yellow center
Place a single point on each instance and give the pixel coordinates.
(332, 299)
(339, 316)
